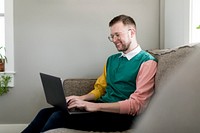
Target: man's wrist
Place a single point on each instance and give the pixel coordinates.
(82, 97)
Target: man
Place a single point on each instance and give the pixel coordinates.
(120, 93)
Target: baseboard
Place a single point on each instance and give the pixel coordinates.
(12, 128)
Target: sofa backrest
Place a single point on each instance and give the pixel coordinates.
(175, 108)
(78, 86)
(169, 60)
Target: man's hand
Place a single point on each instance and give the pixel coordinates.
(77, 102)
(69, 98)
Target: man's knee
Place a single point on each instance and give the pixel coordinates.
(45, 113)
(57, 116)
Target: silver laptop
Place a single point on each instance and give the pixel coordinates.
(54, 93)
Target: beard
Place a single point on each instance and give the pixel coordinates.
(123, 47)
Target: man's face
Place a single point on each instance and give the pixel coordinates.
(120, 36)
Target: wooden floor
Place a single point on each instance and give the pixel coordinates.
(12, 128)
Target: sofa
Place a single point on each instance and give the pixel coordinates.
(168, 62)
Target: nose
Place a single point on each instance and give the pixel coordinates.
(115, 38)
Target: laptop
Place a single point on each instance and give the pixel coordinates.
(54, 93)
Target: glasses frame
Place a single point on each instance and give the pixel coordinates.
(117, 35)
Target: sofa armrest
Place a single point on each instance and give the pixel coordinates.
(78, 86)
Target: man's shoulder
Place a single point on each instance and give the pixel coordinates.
(146, 56)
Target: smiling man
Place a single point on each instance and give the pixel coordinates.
(120, 93)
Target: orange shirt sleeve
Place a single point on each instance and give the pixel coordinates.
(138, 100)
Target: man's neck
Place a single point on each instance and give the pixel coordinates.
(131, 48)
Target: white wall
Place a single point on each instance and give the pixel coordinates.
(175, 17)
(66, 38)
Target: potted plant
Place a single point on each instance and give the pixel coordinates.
(198, 27)
(3, 59)
(4, 81)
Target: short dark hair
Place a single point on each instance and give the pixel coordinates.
(126, 20)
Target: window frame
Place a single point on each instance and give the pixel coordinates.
(9, 40)
(194, 22)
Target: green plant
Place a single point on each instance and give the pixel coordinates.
(198, 27)
(3, 58)
(4, 80)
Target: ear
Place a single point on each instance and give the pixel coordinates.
(133, 32)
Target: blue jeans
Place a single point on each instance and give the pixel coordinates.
(51, 118)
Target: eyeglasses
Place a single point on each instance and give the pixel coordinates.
(117, 35)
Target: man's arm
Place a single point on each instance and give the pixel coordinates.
(145, 82)
(93, 107)
(100, 85)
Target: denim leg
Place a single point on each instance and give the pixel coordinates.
(98, 121)
(39, 121)
(52, 118)
(56, 120)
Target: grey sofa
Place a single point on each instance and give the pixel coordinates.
(168, 60)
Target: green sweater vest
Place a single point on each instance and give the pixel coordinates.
(121, 76)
